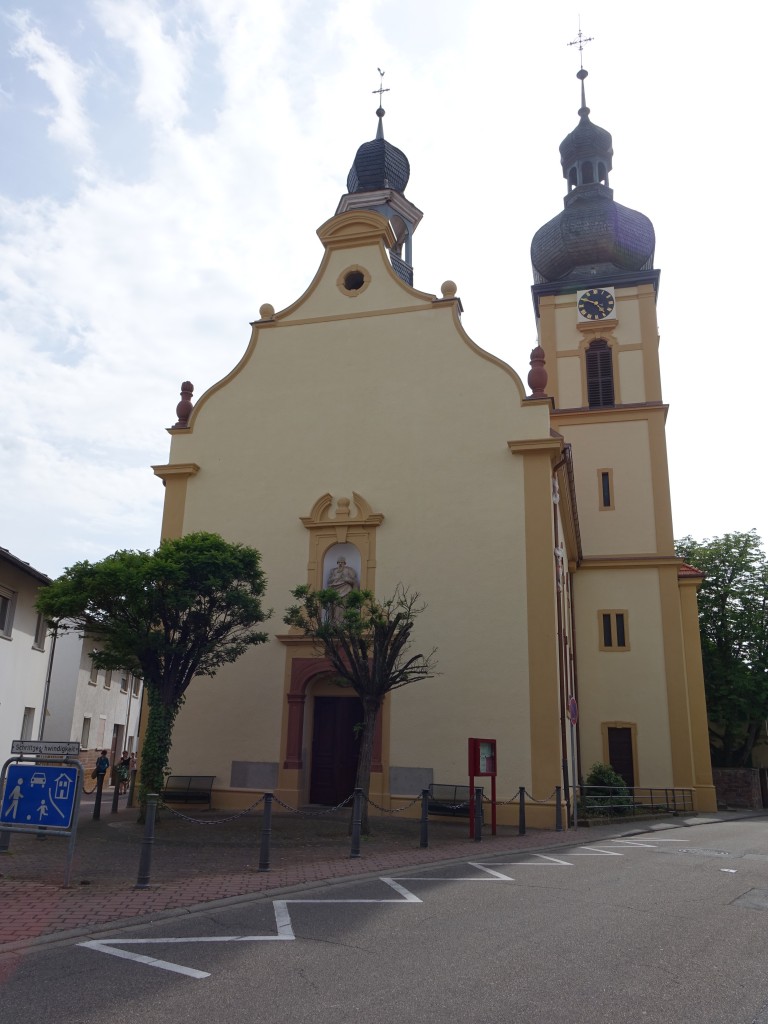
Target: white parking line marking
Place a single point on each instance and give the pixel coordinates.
(596, 851)
(107, 947)
(491, 871)
(284, 925)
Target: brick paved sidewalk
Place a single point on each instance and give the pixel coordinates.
(198, 862)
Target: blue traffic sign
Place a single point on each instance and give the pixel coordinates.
(39, 796)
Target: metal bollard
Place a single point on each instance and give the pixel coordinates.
(521, 818)
(145, 860)
(357, 816)
(558, 810)
(424, 836)
(5, 841)
(97, 802)
(116, 796)
(478, 814)
(266, 833)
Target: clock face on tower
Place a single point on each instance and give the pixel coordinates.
(595, 304)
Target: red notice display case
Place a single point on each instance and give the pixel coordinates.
(482, 764)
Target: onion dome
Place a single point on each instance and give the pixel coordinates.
(378, 165)
(593, 235)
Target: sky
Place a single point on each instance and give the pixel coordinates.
(164, 167)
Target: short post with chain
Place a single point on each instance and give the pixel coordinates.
(424, 837)
(145, 860)
(266, 833)
(357, 821)
(521, 818)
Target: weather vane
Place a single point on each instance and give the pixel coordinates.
(381, 88)
(580, 41)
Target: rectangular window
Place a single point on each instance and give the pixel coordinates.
(100, 730)
(124, 683)
(599, 369)
(605, 489)
(41, 628)
(93, 678)
(108, 679)
(7, 607)
(136, 686)
(85, 735)
(614, 632)
(26, 724)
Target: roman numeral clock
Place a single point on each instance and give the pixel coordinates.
(595, 304)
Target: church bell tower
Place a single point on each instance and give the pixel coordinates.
(635, 637)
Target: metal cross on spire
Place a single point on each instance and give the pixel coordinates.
(381, 88)
(581, 42)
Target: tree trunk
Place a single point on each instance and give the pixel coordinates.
(363, 778)
(156, 748)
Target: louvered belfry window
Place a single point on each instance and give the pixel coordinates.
(599, 374)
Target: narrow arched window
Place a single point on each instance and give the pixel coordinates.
(587, 173)
(599, 374)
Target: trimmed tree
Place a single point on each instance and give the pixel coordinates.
(733, 622)
(168, 616)
(368, 643)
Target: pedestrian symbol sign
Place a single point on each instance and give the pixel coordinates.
(39, 796)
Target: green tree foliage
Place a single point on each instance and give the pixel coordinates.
(733, 619)
(368, 643)
(168, 616)
(606, 792)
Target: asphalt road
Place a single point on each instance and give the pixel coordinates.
(669, 926)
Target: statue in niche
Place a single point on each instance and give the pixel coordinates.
(343, 578)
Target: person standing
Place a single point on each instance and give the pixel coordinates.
(124, 771)
(102, 766)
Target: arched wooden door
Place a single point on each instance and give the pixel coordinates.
(335, 746)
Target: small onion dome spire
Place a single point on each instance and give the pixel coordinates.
(586, 154)
(593, 235)
(378, 164)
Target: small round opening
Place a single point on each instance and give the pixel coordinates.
(354, 280)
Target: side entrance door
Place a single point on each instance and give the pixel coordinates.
(335, 744)
(620, 753)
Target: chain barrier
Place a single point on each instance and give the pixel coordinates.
(500, 803)
(210, 821)
(546, 800)
(394, 810)
(314, 814)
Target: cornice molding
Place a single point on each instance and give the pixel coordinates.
(176, 469)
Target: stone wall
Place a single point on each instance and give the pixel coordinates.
(738, 787)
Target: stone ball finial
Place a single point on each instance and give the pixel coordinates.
(448, 288)
(184, 408)
(537, 375)
(267, 311)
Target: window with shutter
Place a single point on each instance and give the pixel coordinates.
(599, 375)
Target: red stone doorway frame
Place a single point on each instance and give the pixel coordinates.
(303, 672)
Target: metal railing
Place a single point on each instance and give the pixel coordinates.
(630, 801)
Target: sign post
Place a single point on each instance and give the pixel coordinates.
(40, 793)
(573, 716)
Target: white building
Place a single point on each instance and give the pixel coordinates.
(49, 688)
(98, 708)
(23, 652)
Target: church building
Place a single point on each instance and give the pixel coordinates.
(363, 424)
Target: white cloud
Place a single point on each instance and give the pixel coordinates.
(162, 48)
(111, 297)
(64, 77)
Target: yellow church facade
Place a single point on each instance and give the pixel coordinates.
(363, 423)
